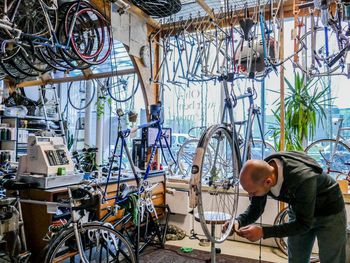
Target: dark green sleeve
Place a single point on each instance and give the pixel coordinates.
(253, 212)
(304, 208)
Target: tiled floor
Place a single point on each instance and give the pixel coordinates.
(237, 249)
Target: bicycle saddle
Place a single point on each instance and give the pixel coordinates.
(246, 24)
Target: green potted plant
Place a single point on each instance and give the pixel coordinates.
(303, 102)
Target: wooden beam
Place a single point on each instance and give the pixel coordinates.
(75, 78)
(104, 6)
(206, 8)
(138, 12)
(282, 137)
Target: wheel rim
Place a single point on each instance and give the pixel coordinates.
(282, 244)
(218, 190)
(322, 151)
(99, 244)
(185, 158)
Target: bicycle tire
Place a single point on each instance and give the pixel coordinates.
(88, 51)
(42, 54)
(338, 162)
(185, 157)
(30, 14)
(320, 39)
(281, 242)
(56, 58)
(218, 191)
(255, 150)
(88, 103)
(93, 236)
(126, 97)
(29, 55)
(22, 67)
(68, 55)
(11, 71)
(104, 37)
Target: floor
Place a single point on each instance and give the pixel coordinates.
(240, 249)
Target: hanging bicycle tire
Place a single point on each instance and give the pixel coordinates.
(120, 91)
(82, 90)
(92, 44)
(320, 67)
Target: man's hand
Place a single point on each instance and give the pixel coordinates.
(252, 233)
(234, 228)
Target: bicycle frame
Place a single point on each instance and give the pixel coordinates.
(252, 113)
(74, 221)
(122, 135)
(338, 137)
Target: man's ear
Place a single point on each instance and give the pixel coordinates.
(268, 181)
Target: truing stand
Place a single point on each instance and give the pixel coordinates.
(213, 218)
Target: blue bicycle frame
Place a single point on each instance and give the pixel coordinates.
(122, 135)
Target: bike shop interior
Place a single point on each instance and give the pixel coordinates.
(142, 142)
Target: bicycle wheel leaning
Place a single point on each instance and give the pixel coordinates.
(185, 158)
(99, 243)
(282, 218)
(257, 150)
(322, 151)
(217, 191)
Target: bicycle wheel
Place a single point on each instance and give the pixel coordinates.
(99, 244)
(77, 94)
(322, 151)
(257, 150)
(217, 190)
(91, 35)
(31, 19)
(282, 218)
(122, 89)
(185, 157)
(319, 67)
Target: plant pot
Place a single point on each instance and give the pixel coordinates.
(132, 116)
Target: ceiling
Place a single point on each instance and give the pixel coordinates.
(191, 9)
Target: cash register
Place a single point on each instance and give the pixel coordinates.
(47, 163)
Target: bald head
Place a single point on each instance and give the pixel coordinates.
(257, 177)
(256, 171)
